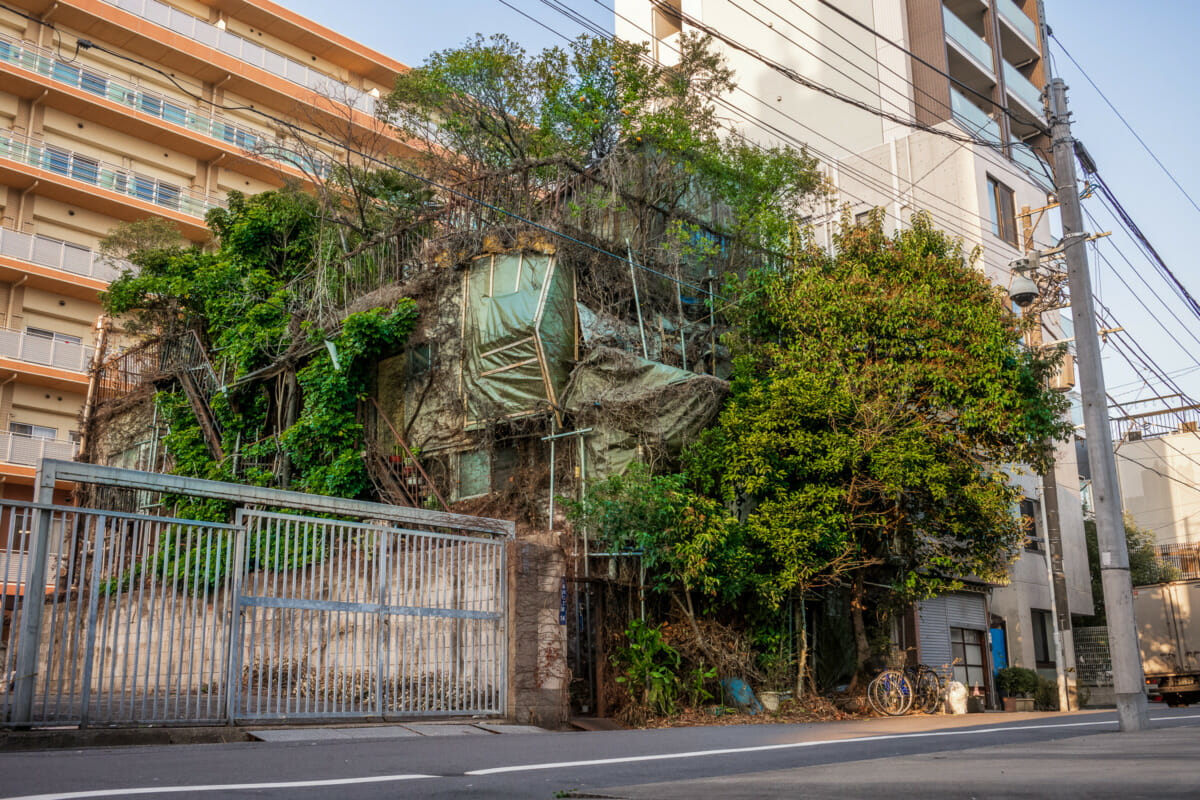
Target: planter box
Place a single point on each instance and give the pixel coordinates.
(1018, 704)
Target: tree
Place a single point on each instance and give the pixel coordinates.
(1145, 567)
(876, 394)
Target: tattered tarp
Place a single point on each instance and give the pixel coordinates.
(628, 401)
(519, 334)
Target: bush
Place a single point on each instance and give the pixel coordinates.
(1017, 682)
(648, 669)
(1045, 698)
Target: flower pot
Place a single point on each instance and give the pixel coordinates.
(1018, 704)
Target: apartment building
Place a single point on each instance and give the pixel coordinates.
(120, 110)
(1158, 465)
(915, 105)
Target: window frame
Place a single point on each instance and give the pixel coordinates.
(1041, 622)
(1002, 211)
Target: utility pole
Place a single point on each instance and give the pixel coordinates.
(1128, 678)
(1064, 639)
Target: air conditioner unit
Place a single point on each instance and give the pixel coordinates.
(1133, 436)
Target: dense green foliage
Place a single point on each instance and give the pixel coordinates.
(488, 106)
(876, 394)
(243, 303)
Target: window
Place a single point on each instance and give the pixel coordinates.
(93, 82)
(85, 169)
(474, 474)
(966, 645)
(57, 160)
(167, 195)
(1043, 637)
(63, 338)
(1030, 516)
(36, 431)
(1003, 211)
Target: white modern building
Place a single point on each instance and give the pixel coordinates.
(915, 105)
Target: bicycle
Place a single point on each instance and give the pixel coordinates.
(927, 688)
(890, 693)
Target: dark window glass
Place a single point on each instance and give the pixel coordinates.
(91, 82)
(1002, 211)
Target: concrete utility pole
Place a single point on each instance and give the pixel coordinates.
(1128, 679)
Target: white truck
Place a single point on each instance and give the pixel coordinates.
(1168, 619)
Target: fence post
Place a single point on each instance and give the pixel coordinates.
(32, 605)
(233, 634)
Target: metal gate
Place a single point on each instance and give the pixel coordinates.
(121, 618)
(366, 620)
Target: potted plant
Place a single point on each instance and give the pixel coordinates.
(1018, 685)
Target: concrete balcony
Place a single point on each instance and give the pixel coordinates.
(45, 350)
(968, 54)
(18, 448)
(1018, 33)
(1025, 158)
(973, 119)
(231, 136)
(1021, 89)
(75, 261)
(245, 50)
(68, 176)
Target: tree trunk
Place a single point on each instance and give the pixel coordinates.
(691, 618)
(801, 623)
(862, 647)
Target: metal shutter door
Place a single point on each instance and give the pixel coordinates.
(966, 611)
(935, 631)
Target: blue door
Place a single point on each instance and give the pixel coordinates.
(999, 649)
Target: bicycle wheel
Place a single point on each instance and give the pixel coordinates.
(928, 692)
(893, 693)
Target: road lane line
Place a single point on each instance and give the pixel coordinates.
(223, 787)
(794, 746)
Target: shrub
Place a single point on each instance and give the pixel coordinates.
(1017, 682)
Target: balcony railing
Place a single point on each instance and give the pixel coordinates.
(1023, 89)
(18, 448)
(970, 41)
(973, 118)
(107, 176)
(175, 112)
(1023, 156)
(45, 350)
(1021, 23)
(251, 52)
(56, 254)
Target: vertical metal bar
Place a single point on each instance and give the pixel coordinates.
(149, 541)
(120, 590)
(204, 683)
(233, 630)
(51, 650)
(170, 702)
(195, 589)
(31, 613)
(114, 547)
(69, 644)
(161, 537)
(10, 651)
(90, 647)
(381, 667)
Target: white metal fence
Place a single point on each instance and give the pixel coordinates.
(17, 448)
(57, 254)
(135, 619)
(50, 351)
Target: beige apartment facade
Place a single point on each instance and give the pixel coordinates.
(118, 111)
(916, 105)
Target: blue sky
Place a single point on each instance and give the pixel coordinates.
(1143, 56)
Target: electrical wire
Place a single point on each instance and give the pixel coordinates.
(1124, 121)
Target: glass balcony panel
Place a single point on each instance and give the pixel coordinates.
(962, 35)
(1023, 89)
(973, 118)
(1024, 25)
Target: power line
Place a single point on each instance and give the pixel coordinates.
(1125, 122)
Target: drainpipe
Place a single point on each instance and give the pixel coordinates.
(12, 293)
(21, 203)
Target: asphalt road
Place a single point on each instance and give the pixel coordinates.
(999, 755)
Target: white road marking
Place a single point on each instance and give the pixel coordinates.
(82, 795)
(796, 745)
(222, 787)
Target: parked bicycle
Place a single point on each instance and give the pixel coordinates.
(895, 692)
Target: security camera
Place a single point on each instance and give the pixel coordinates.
(1022, 290)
